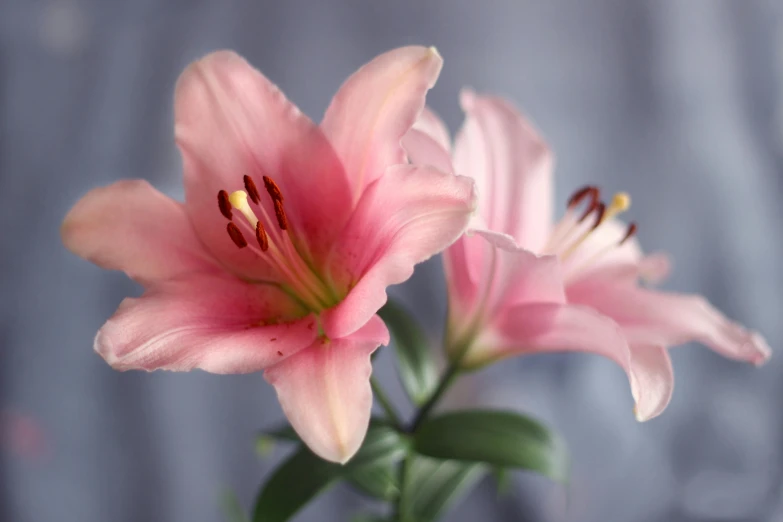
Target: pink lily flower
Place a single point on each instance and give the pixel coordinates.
(519, 282)
(288, 237)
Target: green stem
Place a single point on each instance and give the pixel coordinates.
(400, 513)
(386, 404)
(445, 383)
(451, 373)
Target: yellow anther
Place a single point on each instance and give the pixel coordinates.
(238, 200)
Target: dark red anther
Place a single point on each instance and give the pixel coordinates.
(273, 189)
(250, 188)
(629, 233)
(589, 210)
(236, 235)
(261, 237)
(600, 210)
(224, 204)
(589, 191)
(282, 220)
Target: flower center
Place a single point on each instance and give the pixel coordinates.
(571, 233)
(275, 245)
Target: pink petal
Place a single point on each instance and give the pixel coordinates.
(231, 121)
(510, 276)
(600, 254)
(464, 263)
(405, 217)
(422, 149)
(428, 142)
(325, 391)
(374, 109)
(549, 327)
(552, 327)
(512, 166)
(523, 278)
(670, 319)
(132, 227)
(655, 268)
(207, 322)
(652, 368)
(430, 124)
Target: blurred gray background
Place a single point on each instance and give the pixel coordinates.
(678, 102)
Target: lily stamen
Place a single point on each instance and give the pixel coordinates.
(282, 220)
(275, 248)
(620, 203)
(236, 235)
(629, 234)
(573, 270)
(588, 191)
(225, 205)
(261, 237)
(274, 191)
(251, 189)
(566, 227)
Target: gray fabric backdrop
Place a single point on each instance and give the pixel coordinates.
(678, 102)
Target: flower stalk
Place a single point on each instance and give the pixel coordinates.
(386, 404)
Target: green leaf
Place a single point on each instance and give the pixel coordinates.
(286, 432)
(498, 438)
(381, 443)
(295, 483)
(433, 486)
(418, 372)
(372, 470)
(303, 476)
(502, 480)
(376, 480)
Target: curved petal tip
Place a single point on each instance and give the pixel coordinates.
(652, 380)
(759, 345)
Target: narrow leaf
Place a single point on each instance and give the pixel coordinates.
(372, 469)
(433, 486)
(414, 358)
(286, 433)
(303, 476)
(377, 481)
(502, 480)
(294, 484)
(381, 443)
(498, 438)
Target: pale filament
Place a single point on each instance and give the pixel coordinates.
(620, 203)
(281, 253)
(573, 230)
(568, 226)
(573, 270)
